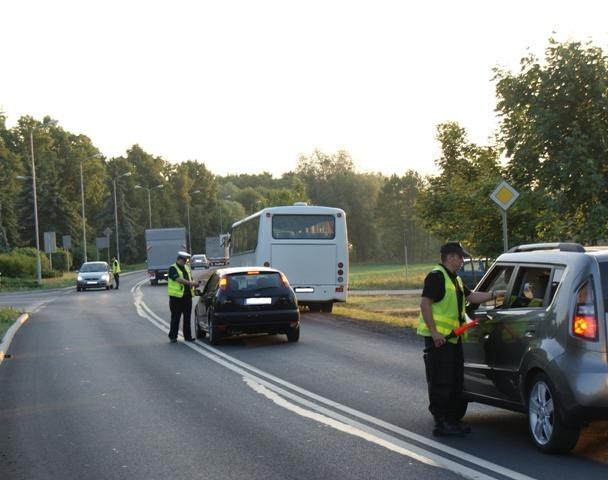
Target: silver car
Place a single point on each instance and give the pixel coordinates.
(94, 275)
(541, 348)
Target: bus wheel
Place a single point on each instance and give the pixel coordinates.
(327, 307)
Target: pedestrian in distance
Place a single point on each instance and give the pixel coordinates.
(116, 272)
(181, 291)
(442, 310)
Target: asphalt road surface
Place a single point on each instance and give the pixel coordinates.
(93, 389)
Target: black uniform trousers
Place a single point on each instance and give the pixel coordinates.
(445, 378)
(180, 307)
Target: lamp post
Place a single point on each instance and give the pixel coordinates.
(128, 174)
(38, 265)
(188, 215)
(84, 219)
(149, 201)
(221, 223)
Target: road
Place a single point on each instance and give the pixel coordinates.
(93, 389)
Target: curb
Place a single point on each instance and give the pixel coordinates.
(10, 333)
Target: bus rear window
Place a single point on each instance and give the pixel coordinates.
(309, 227)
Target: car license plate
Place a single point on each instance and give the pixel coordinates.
(258, 301)
(91, 283)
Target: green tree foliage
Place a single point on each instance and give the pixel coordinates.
(455, 204)
(10, 166)
(554, 129)
(397, 223)
(331, 180)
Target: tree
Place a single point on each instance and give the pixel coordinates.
(396, 221)
(331, 180)
(455, 204)
(10, 166)
(554, 129)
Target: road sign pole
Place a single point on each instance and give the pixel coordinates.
(504, 231)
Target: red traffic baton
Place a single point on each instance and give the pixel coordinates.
(457, 332)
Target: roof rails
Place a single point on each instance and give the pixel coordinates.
(562, 247)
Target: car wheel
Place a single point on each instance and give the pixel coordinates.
(214, 336)
(293, 335)
(198, 331)
(78, 289)
(547, 428)
(107, 287)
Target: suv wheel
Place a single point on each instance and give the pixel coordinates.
(549, 432)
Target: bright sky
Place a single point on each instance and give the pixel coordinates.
(247, 86)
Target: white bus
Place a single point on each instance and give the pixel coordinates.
(307, 243)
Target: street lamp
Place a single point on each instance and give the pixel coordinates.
(84, 220)
(38, 266)
(149, 204)
(128, 174)
(188, 215)
(221, 223)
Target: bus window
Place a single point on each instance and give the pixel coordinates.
(298, 227)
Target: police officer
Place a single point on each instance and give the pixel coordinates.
(180, 290)
(116, 272)
(442, 309)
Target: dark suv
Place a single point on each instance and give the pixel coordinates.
(541, 348)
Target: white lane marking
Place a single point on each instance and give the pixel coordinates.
(343, 427)
(245, 370)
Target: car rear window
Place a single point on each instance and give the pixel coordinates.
(248, 282)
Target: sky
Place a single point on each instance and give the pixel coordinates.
(246, 86)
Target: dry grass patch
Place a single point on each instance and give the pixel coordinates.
(395, 310)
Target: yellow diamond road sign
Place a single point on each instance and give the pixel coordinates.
(504, 195)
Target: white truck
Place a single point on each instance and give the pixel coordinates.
(216, 249)
(162, 245)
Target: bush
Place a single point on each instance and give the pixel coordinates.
(17, 265)
(60, 260)
(21, 263)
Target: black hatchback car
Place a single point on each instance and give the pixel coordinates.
(245, 300)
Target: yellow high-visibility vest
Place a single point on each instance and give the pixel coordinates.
(176, 289)
(445, 312)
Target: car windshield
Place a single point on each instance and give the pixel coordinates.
(94, 267)
(197, 258)
(247, 282)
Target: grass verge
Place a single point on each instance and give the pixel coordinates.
(387, 277)
(395, 310)
(7, 317)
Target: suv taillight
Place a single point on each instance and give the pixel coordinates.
(584, 323)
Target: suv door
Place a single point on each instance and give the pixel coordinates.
(477, 369)
(507, 329)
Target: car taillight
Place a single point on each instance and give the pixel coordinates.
(584, 323)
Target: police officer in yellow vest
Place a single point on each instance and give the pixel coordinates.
(180, 290)
(442, 309)
(116, 272)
